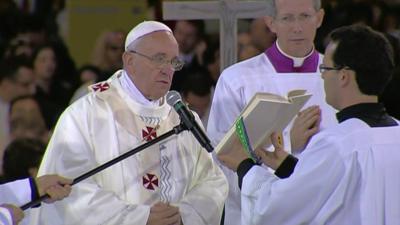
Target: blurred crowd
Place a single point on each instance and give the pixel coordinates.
(39, 78)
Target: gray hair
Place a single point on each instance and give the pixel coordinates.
(272, 10)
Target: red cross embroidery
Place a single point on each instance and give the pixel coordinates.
(150, 181)
(149, 133)
(101, 87)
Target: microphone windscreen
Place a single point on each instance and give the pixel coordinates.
(173, 97)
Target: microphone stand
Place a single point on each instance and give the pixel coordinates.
(176, 130)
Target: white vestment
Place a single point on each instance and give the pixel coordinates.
(236, 86)
(16, 193)
(347, 175)
(107, 123)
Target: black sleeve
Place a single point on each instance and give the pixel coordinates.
(243, 168)
(287, 167)
(283, 171)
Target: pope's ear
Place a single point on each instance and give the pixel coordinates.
(127, 58)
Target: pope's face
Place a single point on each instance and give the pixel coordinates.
(153, 80)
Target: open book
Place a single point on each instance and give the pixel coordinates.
(264, 114)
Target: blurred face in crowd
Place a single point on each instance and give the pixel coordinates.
(114, 49)
(151, 75)
(88, 76)
(187, 36)
(197, 103)
(45, 64)
(214, 67)
(22, 84)
(26, 120)
(23, 45)
(295, 25)
(261, 36)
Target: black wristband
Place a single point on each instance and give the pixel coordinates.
(243, 168)
(287, 167)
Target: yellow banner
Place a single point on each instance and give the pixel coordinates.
(87, 19)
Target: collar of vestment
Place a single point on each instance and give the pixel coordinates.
(373, 114)
(112, 91)
(285, 64)
(129, 87)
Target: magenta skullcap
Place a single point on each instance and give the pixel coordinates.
(144, 28)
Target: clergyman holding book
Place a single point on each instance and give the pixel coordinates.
(347, 174)
(291, 63)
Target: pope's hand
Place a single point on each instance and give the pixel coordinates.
(163, 213)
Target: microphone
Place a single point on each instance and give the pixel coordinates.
(187, 118)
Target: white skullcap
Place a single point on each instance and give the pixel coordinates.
(144, 28)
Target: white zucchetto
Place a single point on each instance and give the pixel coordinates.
(144, 28)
